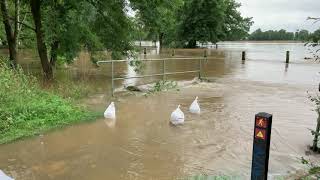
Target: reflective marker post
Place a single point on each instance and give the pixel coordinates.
(261, 146)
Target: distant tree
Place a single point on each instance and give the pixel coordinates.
(211, 21)
(282, 34)
(302, 35)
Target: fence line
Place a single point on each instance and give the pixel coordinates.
(164, 73)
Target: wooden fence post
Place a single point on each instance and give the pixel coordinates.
(243, 55)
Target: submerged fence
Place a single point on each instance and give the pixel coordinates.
(163, 74)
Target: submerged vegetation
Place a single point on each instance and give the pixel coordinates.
(313, 172)
(163, 86)
(26, 109)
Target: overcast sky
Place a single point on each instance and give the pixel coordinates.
(281, 14)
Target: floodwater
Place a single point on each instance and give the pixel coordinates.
(141, 144)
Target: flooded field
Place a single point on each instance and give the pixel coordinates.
(141, 144)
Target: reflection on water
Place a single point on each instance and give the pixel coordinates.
(141, 145)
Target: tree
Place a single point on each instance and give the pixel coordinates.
(158, 16)
(314, 42)
(11, 28)
(271, 35)
(35, 6)
(236, 27)
(302, 35)
(64, 27)
(211, 21)
(202, 21)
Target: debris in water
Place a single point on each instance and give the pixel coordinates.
(133, 88)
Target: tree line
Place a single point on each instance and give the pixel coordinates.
(299, 35)
(60, 29)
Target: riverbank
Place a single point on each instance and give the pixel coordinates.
(26, 109)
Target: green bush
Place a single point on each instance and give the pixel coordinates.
(26, 109)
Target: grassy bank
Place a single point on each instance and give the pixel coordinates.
(26, 109)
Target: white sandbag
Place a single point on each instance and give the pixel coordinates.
(111, 123)
(3, 176)
(177, 116)
(194, 107)
(110, 112)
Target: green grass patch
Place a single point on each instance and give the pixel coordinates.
(26, 109)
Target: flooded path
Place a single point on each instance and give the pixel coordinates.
(140, 144)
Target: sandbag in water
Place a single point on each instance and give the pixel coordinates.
(3, 176)
(110, 112)
(195, 107)
(177, 116)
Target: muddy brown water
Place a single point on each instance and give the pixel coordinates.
(141, 144)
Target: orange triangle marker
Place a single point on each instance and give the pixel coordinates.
(260, 135)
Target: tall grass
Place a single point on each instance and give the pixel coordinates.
(26, 109)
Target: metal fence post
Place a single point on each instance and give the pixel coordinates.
(200, 63)
(199, 76)
(164, 69)
(112, 77)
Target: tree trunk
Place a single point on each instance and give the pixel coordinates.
(161, 40)
(54, 53)
(16, 22)
(11, 37)
(42, 48)
(192, 44)
(316, 135)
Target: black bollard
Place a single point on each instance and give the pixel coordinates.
(287, 57)
(145, 51)
(261, 146)
(243, 55)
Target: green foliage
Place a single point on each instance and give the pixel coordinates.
(158, 17)
(163, 86)
(282, 34)
(202, 21)
(235, 26)
(138, 65)
(71, 90)
(211, 21)
(26, 109)
(302, 35)
(95, 25)
(316, 100)
(315, 36)
(314, 169)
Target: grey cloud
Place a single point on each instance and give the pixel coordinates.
(281, 14)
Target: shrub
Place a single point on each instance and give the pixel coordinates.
(26, 109)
